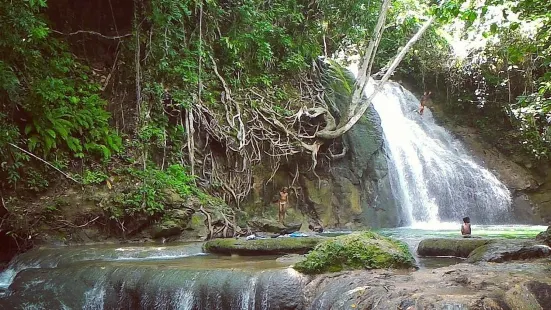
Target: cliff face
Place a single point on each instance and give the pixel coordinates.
(349, 192)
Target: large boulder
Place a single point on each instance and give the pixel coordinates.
(268, 225)
(530, 295)
(364, 250)
(458, 247)
(508, 250)
(272, 246)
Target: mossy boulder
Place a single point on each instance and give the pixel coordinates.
(509, 250)
(457, 247)
(272, 246)
(545, 236)
(365, 250)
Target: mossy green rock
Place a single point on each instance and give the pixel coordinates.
(271, 246)
(166, 229)
(365, 250)
(458, 247)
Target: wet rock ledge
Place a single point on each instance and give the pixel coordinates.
(484, 250)
(270, 246)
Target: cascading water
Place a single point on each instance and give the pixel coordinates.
(432, 175)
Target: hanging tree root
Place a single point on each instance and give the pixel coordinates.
(258, 134)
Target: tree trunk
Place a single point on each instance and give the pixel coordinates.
(364, 71)
(364, 79)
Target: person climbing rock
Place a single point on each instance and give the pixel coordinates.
(424, 99)
(283, 195)
(466, 227)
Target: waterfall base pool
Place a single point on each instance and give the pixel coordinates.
(90, 277)
(414, 234)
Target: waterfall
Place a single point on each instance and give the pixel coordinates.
(432, 175)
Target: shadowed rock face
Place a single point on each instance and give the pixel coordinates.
(351, 192)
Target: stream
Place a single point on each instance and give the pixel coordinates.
(181, 276)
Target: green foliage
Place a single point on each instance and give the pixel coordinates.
(151, 191)
(48, 103)
(93, 177)
(500, 87)
(35, 181)
(364, 250)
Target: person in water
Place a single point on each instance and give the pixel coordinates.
(283, 197)
(466, 227)
(424, 100)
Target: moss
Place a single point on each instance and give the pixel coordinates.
(477, 254)
(365, 250)
(262, 246)
(196, 220)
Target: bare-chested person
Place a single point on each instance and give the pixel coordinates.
(283, 195)
(466, 227)
(424, 99)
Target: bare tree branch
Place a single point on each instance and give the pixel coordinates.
(325, 134)
(93, 33)
(42, 160)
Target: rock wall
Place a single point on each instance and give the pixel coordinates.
(350, 192)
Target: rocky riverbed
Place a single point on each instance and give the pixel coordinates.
(516, 285)
(183, 277)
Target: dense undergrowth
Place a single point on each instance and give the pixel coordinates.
(179, 95)
(502, 87)
(188, 96)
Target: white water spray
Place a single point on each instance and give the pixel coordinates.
(433, 177)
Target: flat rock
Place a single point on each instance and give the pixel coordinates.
(508, 250)
(271, 246)
(457, 247)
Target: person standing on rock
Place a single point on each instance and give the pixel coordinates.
(424, 100)
(466, 227)
(283, 197)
